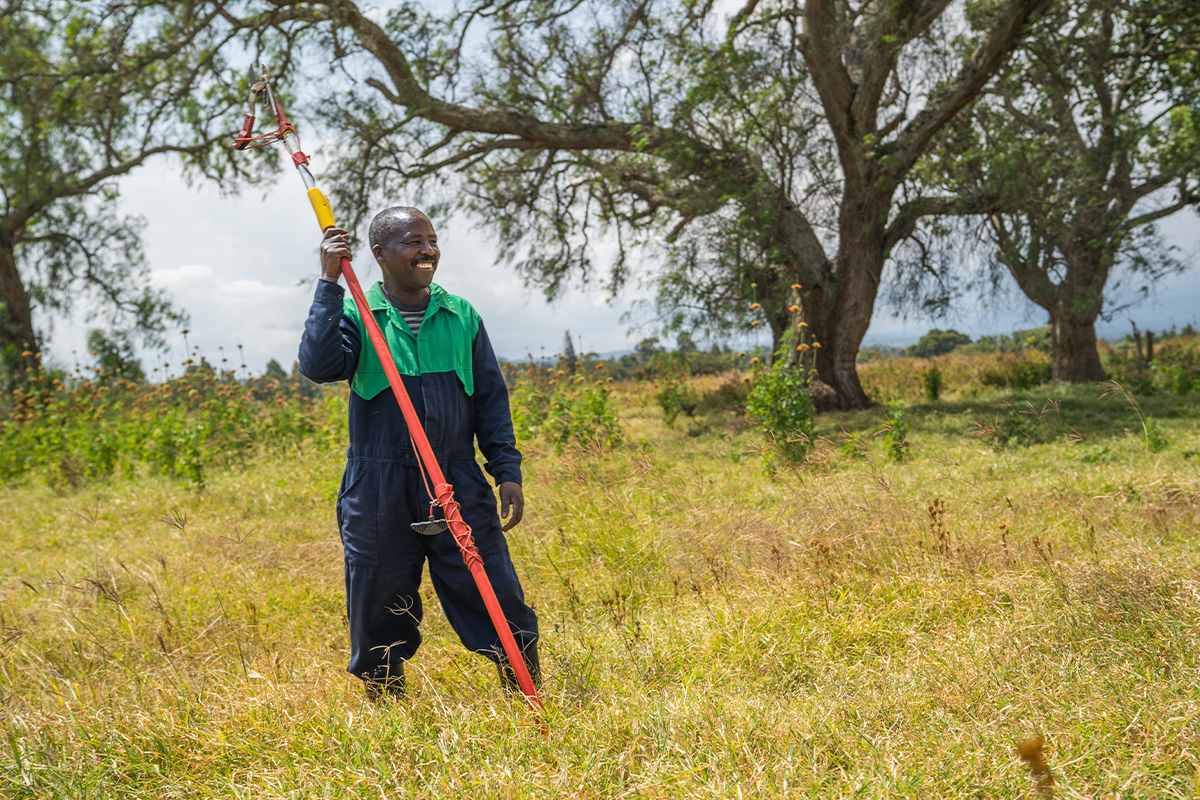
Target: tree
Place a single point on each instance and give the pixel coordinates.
(1086, 138)
(938, 342)
(115, 356)
(569, 354)
(275, 371)
(90, 92)
(740, 142)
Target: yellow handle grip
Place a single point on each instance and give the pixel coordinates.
(320, 204)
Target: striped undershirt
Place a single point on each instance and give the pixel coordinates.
(413, 313)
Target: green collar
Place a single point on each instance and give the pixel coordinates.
(446, 343)
(438, 298)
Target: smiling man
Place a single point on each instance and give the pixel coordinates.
(445, 359)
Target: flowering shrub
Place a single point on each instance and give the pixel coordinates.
(780, 405)
(77, 430)
(564, 408)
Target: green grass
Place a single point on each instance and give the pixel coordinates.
(851, 627)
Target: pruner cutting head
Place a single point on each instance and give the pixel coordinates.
(261, 85)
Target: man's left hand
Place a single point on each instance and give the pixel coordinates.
(512, 501)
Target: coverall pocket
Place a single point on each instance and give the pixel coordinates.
(357, 520)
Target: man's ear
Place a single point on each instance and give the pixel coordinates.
(377, 251)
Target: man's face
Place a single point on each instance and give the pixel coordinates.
(410, 257)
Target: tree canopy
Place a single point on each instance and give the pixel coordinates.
(937, 342)
(762, 154)
(1086, 137)
(90, 92)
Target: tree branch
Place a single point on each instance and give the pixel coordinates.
(976, 70)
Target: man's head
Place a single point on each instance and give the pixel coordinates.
(405, 246)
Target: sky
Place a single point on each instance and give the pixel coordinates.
(236, 265)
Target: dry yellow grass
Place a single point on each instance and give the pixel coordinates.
(855, 627)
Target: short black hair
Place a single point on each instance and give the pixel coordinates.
(390, 221)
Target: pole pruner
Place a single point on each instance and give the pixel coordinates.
(442, 492)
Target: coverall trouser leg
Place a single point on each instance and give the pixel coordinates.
(384, 560)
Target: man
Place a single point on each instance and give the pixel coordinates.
(446, 362)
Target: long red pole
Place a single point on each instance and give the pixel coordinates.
(442, 489)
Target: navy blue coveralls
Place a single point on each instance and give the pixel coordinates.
(382, 493)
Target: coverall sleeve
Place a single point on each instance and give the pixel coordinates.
(330, 345)
(493, 422)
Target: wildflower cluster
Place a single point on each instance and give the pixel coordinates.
(564, 407)
(76, 427)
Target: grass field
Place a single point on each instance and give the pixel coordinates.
(854, 627)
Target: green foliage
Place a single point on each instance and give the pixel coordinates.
(114, 355)
(1156, 437)
(81, 429)
(933, 383)
(563, 408)
(1098, 454)
(675, 394)
(781, 407)
(895, 432)
(1175, 369)
(855, 445)
(91, 92)
(1031, 339)
(937, 343)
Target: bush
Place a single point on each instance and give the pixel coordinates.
(895, 435)
(1020, 341)
(71, 430)
(780, 405)
(1176, 365)
(937, 343)
(675, 395)
(564, 408)
(933, 384)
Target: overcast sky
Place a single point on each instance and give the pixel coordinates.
(234, 264)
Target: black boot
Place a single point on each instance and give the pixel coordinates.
(394, 686)
(508, 677)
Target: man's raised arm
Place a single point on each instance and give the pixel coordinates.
(331, 343)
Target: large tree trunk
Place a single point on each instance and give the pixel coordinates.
(1076, 303)
(1073, 304)
(16, 313)
(839, 316)
(1076, 359)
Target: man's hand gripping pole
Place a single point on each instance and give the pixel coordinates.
(444, 492)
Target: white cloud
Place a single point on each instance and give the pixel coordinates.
(173, 278)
